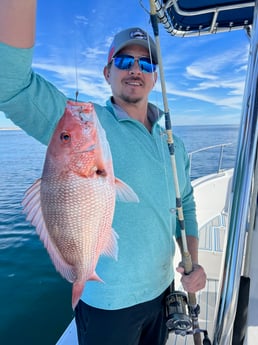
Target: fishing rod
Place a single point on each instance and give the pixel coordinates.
(177, 319)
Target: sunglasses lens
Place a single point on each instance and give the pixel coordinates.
(125, 62)
(146, 65)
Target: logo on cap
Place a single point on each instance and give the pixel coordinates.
(138, 34)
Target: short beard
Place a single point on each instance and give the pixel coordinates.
(130, 99)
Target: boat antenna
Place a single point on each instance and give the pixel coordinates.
(194, 308)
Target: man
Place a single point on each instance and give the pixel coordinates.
(129, 307)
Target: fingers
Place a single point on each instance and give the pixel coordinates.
(180, 269)
(193, 281)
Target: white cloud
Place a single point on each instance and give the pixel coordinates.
(89, 81)
(79, 19)
(214, 78)
(198, 71)
(212, 98)
(93, 53)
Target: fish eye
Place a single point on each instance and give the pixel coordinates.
(65, 137)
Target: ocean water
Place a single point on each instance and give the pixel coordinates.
(35, 301)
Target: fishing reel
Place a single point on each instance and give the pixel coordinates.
(178, 320)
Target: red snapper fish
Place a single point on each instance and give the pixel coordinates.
(72, 204)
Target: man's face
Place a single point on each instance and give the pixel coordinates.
(132, 85)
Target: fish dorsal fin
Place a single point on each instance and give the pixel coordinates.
(32, 208)
(124, 192)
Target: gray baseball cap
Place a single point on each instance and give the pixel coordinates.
(132, 36)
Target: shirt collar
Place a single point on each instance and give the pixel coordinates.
(154, 113)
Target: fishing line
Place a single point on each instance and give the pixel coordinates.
(75, 49)
(76, 73)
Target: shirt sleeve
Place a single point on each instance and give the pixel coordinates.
(31, 102)
(186, 190)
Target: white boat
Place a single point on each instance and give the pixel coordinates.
(227, 200)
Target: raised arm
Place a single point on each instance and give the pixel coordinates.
(30, 101)
(17, 22)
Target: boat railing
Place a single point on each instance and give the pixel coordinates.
(220, 155)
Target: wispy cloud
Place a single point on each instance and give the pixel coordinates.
(88, 81)
(217, 79)
(226, 64)
(81, 20)
(199, 72)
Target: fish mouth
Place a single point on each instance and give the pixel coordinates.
(84, 117)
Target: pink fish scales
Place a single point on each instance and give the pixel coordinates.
(72, 204)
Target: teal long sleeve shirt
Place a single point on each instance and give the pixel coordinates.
(147, 229)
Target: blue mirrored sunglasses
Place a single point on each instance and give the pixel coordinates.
(125, 62)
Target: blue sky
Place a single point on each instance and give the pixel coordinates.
(204, 75)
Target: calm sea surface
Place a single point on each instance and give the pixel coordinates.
(35, 301)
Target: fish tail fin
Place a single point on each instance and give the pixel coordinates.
(124, 192)
(76, 293)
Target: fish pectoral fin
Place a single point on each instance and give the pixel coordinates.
(111, 247)
(124, 192)
(32, 208)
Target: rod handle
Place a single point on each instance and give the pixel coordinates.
(187, 262)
